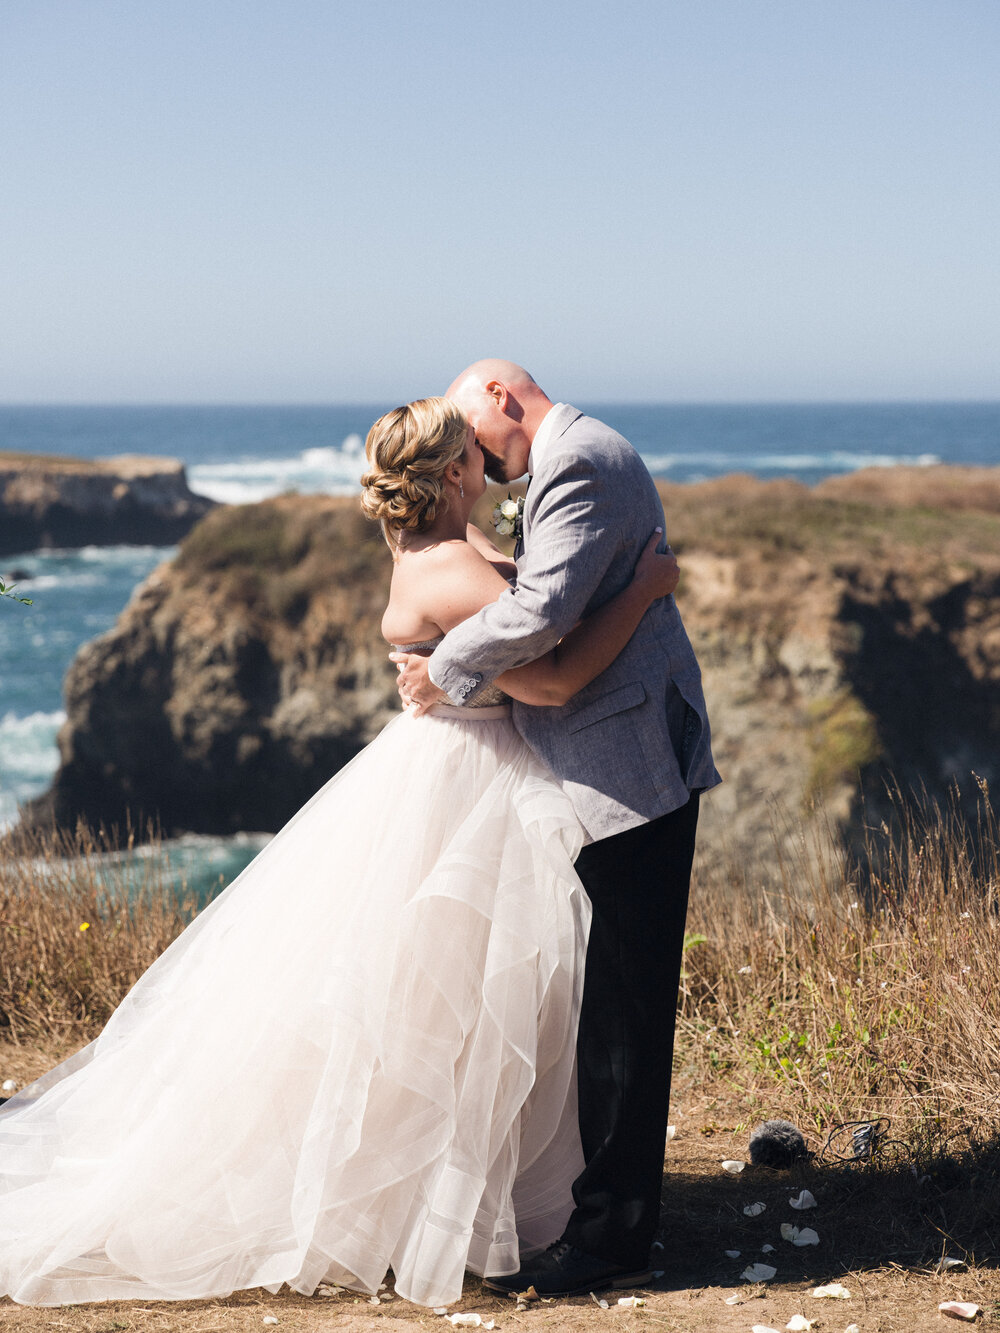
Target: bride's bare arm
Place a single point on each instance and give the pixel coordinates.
(461, 581)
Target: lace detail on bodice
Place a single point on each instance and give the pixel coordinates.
(416, 647)
(488, 697)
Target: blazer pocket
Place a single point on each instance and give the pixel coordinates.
(615, 701)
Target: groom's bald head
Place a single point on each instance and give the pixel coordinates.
(506, 407)
(480, 373)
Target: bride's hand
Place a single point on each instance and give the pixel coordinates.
(414, 683)
(657, 573)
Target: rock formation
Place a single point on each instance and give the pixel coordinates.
(46, 501)
(239, 677)
(846, 639)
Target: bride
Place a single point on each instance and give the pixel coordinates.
(360, 1055)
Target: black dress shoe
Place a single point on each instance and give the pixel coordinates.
(563, 1270)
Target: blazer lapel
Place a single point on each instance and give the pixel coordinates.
(519, 544)
(571, 415)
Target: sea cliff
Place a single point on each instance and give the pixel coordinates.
(48, 501)
(849, 636)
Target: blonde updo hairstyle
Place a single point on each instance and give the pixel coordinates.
(409, 449)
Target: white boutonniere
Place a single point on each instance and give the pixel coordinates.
(508, 517)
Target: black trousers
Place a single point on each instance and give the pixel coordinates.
(638, 885)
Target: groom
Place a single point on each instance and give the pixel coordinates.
(633, 752)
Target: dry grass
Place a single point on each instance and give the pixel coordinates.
(857, 1003)
(855, 989)
(858, 989)
(77, 930)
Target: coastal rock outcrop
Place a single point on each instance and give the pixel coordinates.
(47, 501)
(846, 641)
(240, 676)
(850, 646)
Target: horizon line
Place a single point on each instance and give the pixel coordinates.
(597, 402)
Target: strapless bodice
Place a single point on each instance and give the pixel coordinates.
(417, 647)
(490, 696)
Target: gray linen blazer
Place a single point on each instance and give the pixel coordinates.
(634, 743)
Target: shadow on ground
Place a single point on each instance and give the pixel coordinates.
(893, 1210)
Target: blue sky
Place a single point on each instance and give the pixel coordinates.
(222, 201)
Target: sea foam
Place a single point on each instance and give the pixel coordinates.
(322, 469)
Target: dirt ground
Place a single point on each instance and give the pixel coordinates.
(883, 1230)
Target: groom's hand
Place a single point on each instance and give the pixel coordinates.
(414, 683)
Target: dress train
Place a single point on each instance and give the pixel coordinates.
(359, 1056)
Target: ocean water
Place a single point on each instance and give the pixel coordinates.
(243, 454)
(239, 454)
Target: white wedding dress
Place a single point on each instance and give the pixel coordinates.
(359, 1056)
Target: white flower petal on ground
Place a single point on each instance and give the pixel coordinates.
(269, 1319)
(798, 1235)
(745, 971)
(805, 1200)
(767, 1249)
(440, 1309)
(799, 1324)
(733, 1254)
(733, 1165)
(374, 1300)
(758, 1273)
(852, 1328)
(733, 1300)
(754, 1209)
(10, 1085)
(763, 1328)
(671, 1131)
(597, 1301)
(960, 1310)
(947, 1262)
(831, 1291)
(465, 1320)
(631, 1302)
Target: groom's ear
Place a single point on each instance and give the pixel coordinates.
(505, 400)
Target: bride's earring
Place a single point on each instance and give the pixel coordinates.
(461, 490)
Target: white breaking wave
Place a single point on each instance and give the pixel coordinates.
(833, 460)
(29, 758)
(321, 470)
(64, 579)
(120, 555)
(28, 744)
(337, 471)
(87, 566)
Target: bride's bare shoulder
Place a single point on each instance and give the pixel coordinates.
(442, 585)
(446, 558)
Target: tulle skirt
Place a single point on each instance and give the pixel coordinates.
(359, 1056)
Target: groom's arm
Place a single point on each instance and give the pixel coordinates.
(575, 533)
